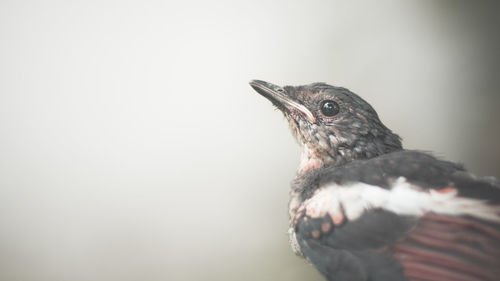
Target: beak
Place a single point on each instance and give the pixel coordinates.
(279, 97)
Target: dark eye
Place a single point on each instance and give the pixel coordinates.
(329, 108)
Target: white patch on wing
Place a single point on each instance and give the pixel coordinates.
(403, 198)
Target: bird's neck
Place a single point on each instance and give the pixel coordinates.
(315, 158)
(309, 161)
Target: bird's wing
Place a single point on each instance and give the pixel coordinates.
(435, 224)
(444, 247)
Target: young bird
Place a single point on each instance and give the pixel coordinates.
(363, 208)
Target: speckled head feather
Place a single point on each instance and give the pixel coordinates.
(332, 124)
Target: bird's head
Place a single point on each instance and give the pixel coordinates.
(332, 124)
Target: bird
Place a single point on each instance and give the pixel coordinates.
(363, 208)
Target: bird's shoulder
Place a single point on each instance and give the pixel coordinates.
(417, 167)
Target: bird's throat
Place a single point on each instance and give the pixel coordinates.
(310, 160)
(310, 165)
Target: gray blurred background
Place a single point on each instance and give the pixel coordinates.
(132, 147)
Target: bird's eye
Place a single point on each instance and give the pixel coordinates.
(329, 108)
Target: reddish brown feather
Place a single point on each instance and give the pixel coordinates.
(446, 248)
(410, 256)
(450, 246)
(466, 223)
(429, 272)
(432, 230)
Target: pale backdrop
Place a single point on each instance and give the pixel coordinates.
(132, 147)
